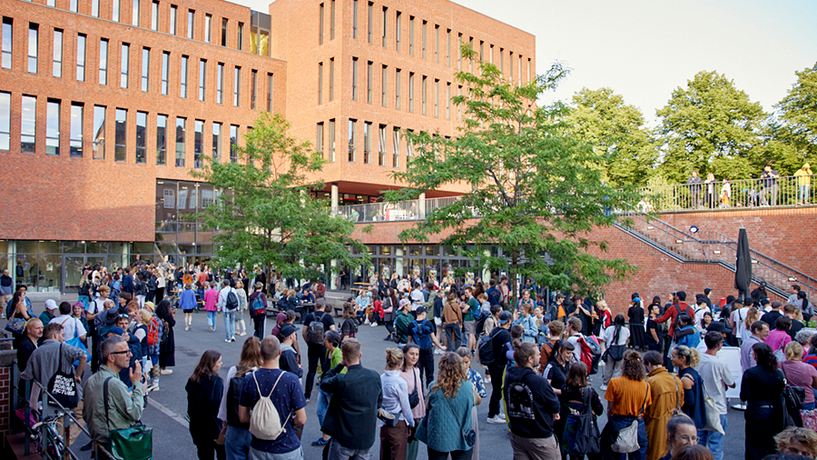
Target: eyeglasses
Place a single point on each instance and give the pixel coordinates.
(687, 438)
(120, 352)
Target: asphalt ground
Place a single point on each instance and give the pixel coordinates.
(166, 411)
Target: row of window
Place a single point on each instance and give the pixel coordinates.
(103, 52)
(442, 38)
(118, 12)
(141, 133)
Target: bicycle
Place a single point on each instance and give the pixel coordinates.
(45, 435)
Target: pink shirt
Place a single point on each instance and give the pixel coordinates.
(210, 299)
(419, 410)
(777, 339)
(799, 374)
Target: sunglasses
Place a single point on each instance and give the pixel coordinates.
(120, 352)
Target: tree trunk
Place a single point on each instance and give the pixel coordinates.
(512, 278)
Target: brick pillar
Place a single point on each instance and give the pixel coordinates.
(5, 400)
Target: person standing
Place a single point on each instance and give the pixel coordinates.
(332, 358)
(452, 317)
(523, 316)
(499, 338)
(479, 386)
(259, 319)
(762, 388)
(243, 303)
(681, 432)
(411, 374)
(394, 431)
(627, 398)
(803, 176)
(237, 437)
(636, 315)
(615, 338)
(357, 395)
(580, 398)
(228, 304)
(770, 188)
(666, 392)
(716, 378)
(799, 374)
(204, 392)
(316, 325)
(423, 333)
(685, 359)
(6, 288)
(694, 183)
(532, 407)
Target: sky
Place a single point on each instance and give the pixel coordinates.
(645, 49)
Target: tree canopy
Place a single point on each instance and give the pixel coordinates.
(798, 112)
(531, 194)
(265, 216)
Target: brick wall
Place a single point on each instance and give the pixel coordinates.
(5, 400)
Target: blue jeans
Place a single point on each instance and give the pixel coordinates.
(237, 443)
(714, 440)
(229, 324)
(323, 404)
(609, 435)
(804, 193)
(453, 335)
(297, 454)
(338, 452)
(212, 317)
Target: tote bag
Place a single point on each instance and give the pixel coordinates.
(588, 439)
(627, 440)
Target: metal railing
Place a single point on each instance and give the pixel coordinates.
(384, 211)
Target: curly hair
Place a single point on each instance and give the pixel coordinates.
(632, 366)
(689, 355)
(805, 437)
(451, 373)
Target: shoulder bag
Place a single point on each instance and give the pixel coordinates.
(627, 439)
(712, 415)
(588, 439)
(134, 443)
(414, 397)
(793, 398)
(63, 386)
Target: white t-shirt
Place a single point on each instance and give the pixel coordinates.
(699, 314)
(577, 350)
(96, 306)
(609, 336)
(71, 327)
(716, 376)
(739, 317)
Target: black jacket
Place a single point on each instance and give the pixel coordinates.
(531, 403)
(352, 415)
(203, 401)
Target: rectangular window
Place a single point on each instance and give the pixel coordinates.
(481, 50)
(120, 152)
(81, 57)
(240, 36)
(220, 84)
(448, 47)
(409, 147)
(8, 42)
(384, 86)
(28, 125)
(411, 92)
(320, 83)
(217, 142)
(56, 67)
(331, 79)
(491, 53)
(237, 87)
(125, 66)
(385, 26)
(95, 8)
(33, 47)
(103, 61)
(397, 32)
(369, 81)
(183, 76)
(367, 142)
(154, 16)
(75, 143)
(459, 106)
(424, 96)
(145, 70)
(530, 75)
(354, 19)
(141, 137)
(233, 143)
(397, 82)
(99, 132)
(352, 140)
(471, 61)
(181, 144)
(191, 23)
(161, 139)
(436, 43)
(202, 79)
(224, 22)
(165, 71)
(208, 28)
(411, 35)
(425, 39)
(354, 78)
(253, 88)
(331, 141)
(269, 91)
(459, 52)
(332, 20)
(52, 128)
(510, 65)
(319, 136)
(5, 121)
(370, 22)
(73, 6)
(501, 60)
(395, 148)
(381, 146)
(174, 16)
(115, 12)
(448, 101)
(136, 14)
(198, 145)
(320, 24)
(437, 98)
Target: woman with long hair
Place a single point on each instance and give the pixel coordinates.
(576, 392)
(450, 402)
(414, 383)
(615, 337)
(243, 303)
(627, 398)
(638, 335)
(556, 374)
(686, 359)
(390, 306)
(204, 393)
(19, 310)
(394, 433)
(167, 346)
(236, 434)
(476, 379)
(762, 388)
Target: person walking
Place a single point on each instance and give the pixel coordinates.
(627, 398)
(762, 388)
(236, 434)
(187, 302)
(228, 303)
(243, 303)
(615, 337)
(500, 337)
(666, 392)
(259, 319)
(204, 393)
(452, 318)
(447, 429)
(316, 325)
(717, 378)
(394, 430)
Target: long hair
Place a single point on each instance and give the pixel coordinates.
(632, 366)
(406, 348)
(765, 356)
(204, 370)
(693, 452)
(802, 295)
(451, 374)
(15, 300)
(752, 316)
(163, 309)
(577, 375)
(618, 323)
(250, 356)
(394, 304)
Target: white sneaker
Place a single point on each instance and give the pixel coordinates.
(227, 340)
(166, 371)
(438, 351)
(367, 321)
(153, 387)
(603, 387)
(496, 420)
(502, 416)
(374, 324)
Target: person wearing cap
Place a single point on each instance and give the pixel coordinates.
(759, 293)
(50, 312)
(289, 357)
(424, 333)
(717, 379)
(771, 317)
(402, 321)
(499, 338)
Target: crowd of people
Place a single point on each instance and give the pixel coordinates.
(662, 380)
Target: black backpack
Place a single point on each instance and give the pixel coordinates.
(481, 322)
(486, 349)
(315, 331)
(232, 300)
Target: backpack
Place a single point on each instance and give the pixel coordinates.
(315, 332)
(590, 353)
(481, 322)
(232, 301)
(681, 312)
(258, 307)
(153, 332)
(348, 328)
(549, 354)
(265, 422)
(485, 350)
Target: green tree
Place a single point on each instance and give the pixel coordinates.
(798, 113)
(708, 126)
(530, 194)
(265, 217)
(617, 132)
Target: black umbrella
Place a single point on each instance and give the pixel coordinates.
(743, 267)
